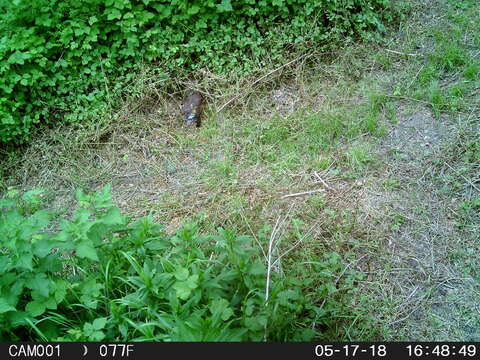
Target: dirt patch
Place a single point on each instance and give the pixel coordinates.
(432, 293)
(417, 135)
(284, 100)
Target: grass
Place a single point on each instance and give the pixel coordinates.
(392, 138)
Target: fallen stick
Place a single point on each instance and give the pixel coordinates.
(401, 53)
(303, 193)
(321, 180)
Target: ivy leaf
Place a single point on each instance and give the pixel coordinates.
(18, 57)
(225, 6)
(113, 13)
(192, 10)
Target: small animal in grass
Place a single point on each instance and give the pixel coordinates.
(192, 109)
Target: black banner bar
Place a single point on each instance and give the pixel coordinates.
(249, 351)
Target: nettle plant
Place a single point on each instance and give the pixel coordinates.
(96, 275)
(65, 60)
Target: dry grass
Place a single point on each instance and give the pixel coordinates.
(383, 203)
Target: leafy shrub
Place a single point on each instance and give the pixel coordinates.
(64, 60)
(99, 276)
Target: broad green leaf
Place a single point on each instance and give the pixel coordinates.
(18, 318)
(60, 291)
(85, 249)
(112, 217)
(193, 9)
(39, 283)
(257, 268)
(113, 14)
(182, 289)
(42, 246)
(18, 58)
(97, 336)
(99, 323)
(92, 287)
(220, 309)
(88, 328)
(102, 199)
(51, 303)
(82, 197)
(181, 273)
(32, 195)
(192, 281)
(25, 261)
(35, 308)
(5, 306)
(225, 6)
(89, 302)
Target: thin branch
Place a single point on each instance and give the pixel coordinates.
(321, 180)
(401, 53)
(303, 193)
(269, 259)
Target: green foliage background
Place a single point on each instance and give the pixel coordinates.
(61, 60)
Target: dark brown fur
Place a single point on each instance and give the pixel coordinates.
(192, 107)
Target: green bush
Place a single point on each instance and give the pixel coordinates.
(64, 59)
(99, 276)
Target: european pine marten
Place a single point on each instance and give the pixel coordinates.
(192, 109)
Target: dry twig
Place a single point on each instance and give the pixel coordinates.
(303, 193)
(321, 180)
(401, 53)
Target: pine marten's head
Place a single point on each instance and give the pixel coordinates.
(192, 109)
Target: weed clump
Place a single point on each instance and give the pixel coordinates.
(98, 276)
